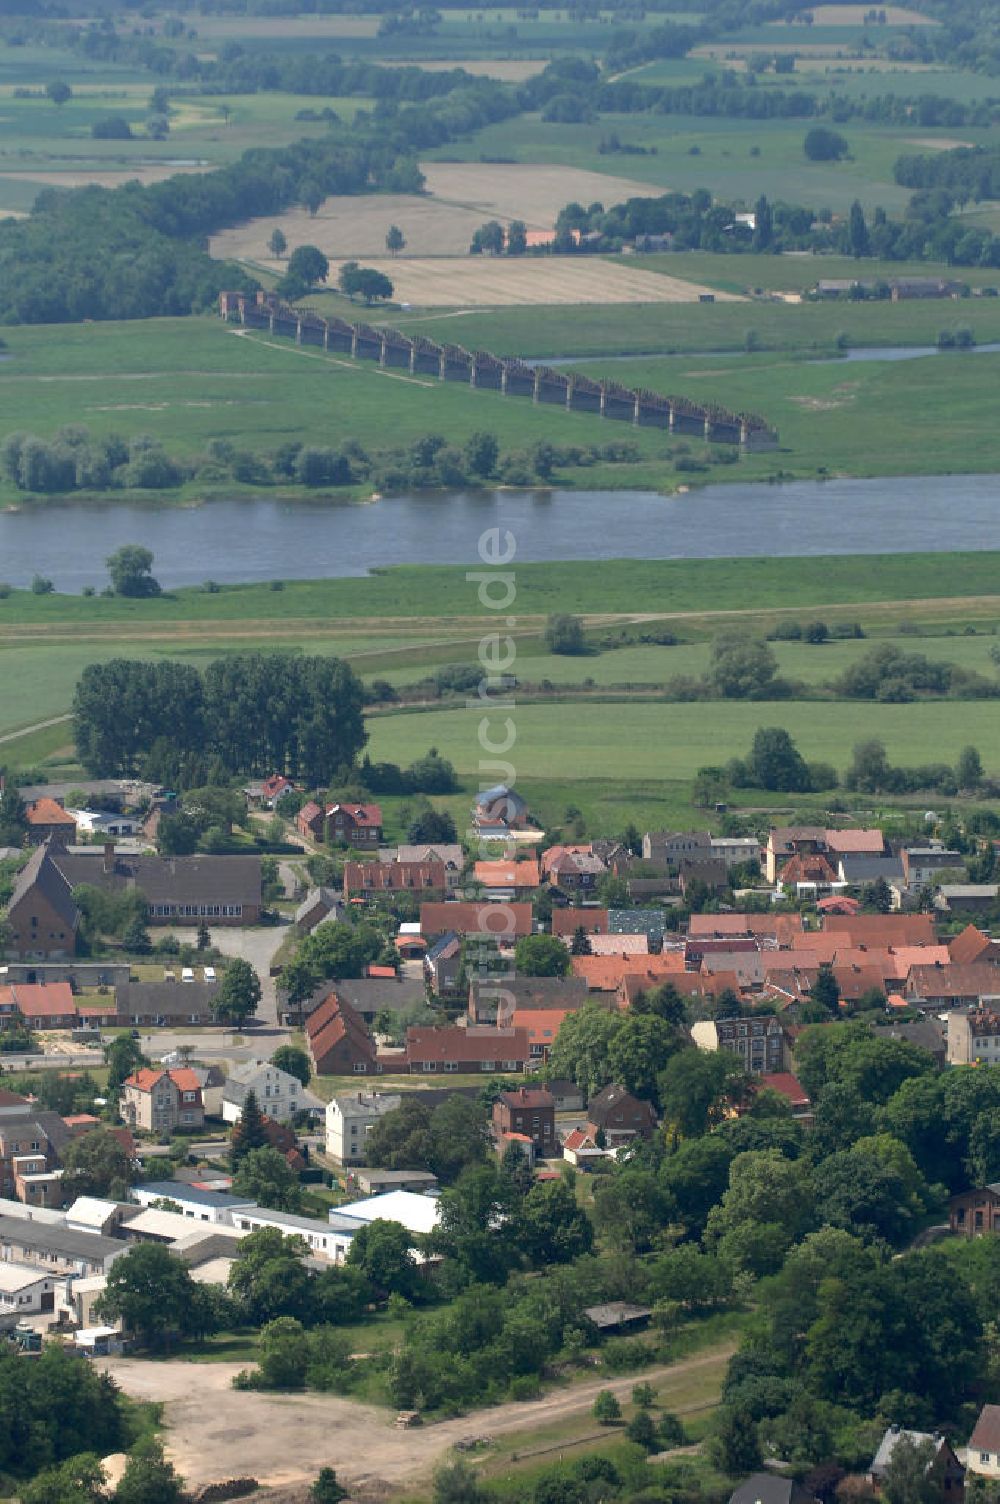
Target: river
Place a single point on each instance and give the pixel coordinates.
(264, 539)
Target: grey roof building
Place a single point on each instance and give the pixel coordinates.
(45, 1244)
(178, 889)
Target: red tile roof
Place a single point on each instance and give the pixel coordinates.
(502, 920)
(856, 842)
(788, 1086)
(47, 812)
(472, 1044)
(529, 1096)
(37, 1002)
(506, 874)
(361, 814)
(883, 929)
(542, 1024)
(605, 973)
(970, 945)
(182, 1077)
(568, 921)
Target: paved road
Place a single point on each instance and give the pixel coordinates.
(92, 1059)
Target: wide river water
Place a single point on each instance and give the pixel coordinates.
(264, 539)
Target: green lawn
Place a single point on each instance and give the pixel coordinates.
(594, 740)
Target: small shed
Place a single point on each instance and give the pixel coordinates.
(618, 1317)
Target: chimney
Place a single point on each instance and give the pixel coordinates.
(109, 857)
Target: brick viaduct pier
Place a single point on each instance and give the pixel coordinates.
(393, 350)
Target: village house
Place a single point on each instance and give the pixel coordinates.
(319, 905)
(923, 865)
(337, 1040)
(47, 820)
(973, 1213)
(42, 918)
(357, 825)
(264, 793)
(158, 1101)
(668, 848)
(531, 1112)
(944, 1468)
(974, 1036)
(279, 1094)
(455, 1050)
(759, 1043)
(166, 1004)
(31, 1143)
(350, 1119)
(573, 870)
(448, 852)
(953, 986)
(498, 811)
(45, 1005)
(983, 1456)
(496, 999)
(618, 1117)
(443, 964)
(566, 922)
(507, 879)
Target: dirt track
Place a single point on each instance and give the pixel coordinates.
(215, 1431)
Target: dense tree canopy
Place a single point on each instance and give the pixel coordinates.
(253, 712)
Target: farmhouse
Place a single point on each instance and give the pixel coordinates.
(358, 825)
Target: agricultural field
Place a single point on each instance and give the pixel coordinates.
(550, 281)
(42, 145)
(713, 153)
(440, 222)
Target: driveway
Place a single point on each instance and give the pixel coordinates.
(215, 1432)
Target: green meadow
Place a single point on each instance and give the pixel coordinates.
(594, 739)
(189, 381)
